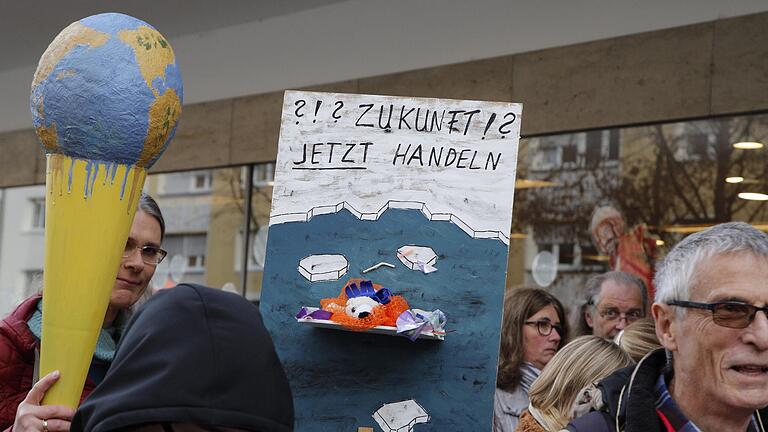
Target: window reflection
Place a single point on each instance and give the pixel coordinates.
(205, 214)
(670, 177)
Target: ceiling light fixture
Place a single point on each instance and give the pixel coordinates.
(598, 258)
(688, 229)
(685, 229)
(753, 196)
(522, 183)
(748, 145)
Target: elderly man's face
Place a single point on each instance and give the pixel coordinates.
(728, 367)
(619, 304)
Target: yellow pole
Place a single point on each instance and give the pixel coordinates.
(89, 211)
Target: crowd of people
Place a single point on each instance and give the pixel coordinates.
(696, 359)
(692, 358)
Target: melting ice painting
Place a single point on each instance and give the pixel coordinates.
(387, 256)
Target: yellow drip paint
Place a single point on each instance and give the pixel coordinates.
(133, 195)
(54, 170)
(84, 241)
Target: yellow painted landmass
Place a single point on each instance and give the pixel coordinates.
(153, 52)
(66, 74)
(163, 115)
(48, 137)
(75, 34)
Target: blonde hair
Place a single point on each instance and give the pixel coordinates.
(586, 360)
(638, 339)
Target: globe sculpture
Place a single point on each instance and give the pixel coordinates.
(107, 89)
(106, 99)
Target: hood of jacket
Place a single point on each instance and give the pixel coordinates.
(192, 355)
(637, 409)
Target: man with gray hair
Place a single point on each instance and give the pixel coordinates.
(711, 313)
(611, 301)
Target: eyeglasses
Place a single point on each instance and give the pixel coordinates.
(151, 255)
(726, 314)
(611, 314)
(544, 327)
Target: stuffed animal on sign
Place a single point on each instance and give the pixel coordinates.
(363, 304)
(363, 299)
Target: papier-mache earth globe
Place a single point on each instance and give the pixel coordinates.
(107, 89)
(106, 99)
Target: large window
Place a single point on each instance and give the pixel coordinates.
(675, 178)
(205, 213)
(37, 207)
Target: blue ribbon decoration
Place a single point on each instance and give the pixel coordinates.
(382, 296)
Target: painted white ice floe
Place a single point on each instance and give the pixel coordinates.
(324, 267)
(400, 416)
(419, 258)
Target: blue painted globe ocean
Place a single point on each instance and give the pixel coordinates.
(107, 89)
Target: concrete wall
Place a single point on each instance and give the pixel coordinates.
(715, 68)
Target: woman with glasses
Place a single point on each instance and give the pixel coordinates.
(533, 330)
(20, 331)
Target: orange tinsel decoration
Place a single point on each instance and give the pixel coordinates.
(385, 314)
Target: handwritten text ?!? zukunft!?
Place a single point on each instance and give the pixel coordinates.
(411, 123)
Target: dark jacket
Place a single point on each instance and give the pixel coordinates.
(634, 410)
(17, 360)
(192, 355)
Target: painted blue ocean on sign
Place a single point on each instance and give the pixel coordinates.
(339, 379)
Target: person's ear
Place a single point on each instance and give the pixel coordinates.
(664, 317)
(588, 317)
